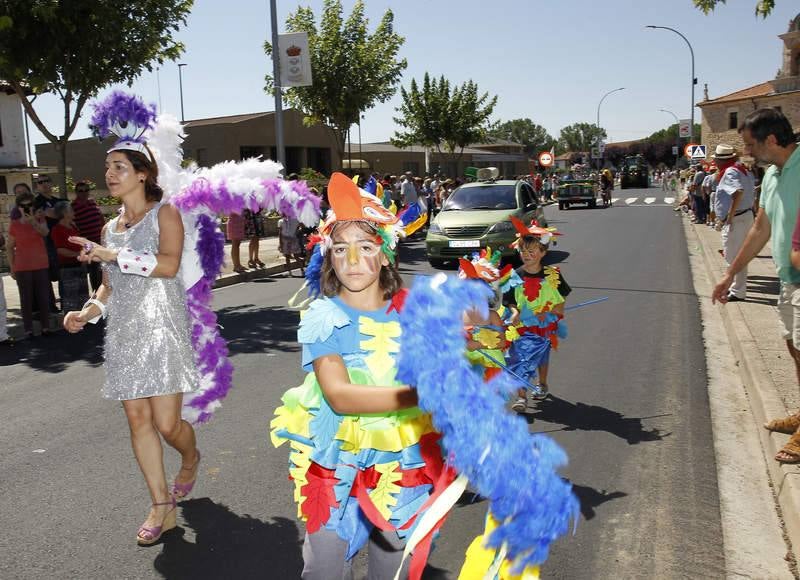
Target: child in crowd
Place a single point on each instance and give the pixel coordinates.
(485, 336)
(536, 297)
(288, 242)
(363, 457)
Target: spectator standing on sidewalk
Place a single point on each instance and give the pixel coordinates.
(234, 231)
(696, 188)
(72, 286)
(4, 340)
(769, 138)
(709, 187)
(46, 201)
(288, 244)
(89, 221)
(254, 229)
(27, 256)
(734, 207)
(408, 191)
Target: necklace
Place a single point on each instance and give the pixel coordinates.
(134, 220)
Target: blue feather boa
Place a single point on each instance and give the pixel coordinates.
(515, 470)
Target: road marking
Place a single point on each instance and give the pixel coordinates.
(669, 200)
(614, 199)
(630, 200)
(649, 199)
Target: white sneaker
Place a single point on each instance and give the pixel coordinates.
(519, 405)
(532, 400)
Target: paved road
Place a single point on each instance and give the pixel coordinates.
(629, 405)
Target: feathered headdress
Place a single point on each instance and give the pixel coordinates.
(545, 235)
(202, 195)
(349, 203)
(125, 116)
(483, 265)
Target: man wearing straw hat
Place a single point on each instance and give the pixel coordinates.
(735, 195)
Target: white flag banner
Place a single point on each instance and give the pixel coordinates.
(295, 60)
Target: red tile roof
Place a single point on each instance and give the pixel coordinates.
(761, 90)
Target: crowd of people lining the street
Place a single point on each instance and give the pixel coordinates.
(751, 204)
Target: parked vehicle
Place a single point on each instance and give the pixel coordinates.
(476, 215)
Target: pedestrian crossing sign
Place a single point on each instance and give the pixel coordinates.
(694, 151)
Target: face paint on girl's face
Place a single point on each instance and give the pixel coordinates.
(357, 257)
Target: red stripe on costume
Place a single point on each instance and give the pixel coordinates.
(532, 286)
(398, 300)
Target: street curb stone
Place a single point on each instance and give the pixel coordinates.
(766, 404)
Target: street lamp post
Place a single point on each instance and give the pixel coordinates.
(180, 84)
(678, 133)
(276, 75)
(694, 80)
(600, 162)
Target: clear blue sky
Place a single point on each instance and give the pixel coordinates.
(549, 61)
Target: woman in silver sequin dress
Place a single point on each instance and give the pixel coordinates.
(149, 357)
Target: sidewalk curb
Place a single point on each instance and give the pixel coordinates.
(766, 404)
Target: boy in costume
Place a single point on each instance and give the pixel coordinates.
(535, 295)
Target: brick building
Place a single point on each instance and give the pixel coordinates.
(235, 137)
(723, 115)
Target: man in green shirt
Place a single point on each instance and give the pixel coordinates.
(769, 138)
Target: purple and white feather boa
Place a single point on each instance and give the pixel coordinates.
(206, 199)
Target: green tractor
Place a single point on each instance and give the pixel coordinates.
(634, 173)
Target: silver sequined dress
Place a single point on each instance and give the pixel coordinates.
(148, 345)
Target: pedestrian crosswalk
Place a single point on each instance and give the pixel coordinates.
(643, 201)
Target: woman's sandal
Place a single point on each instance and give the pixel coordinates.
(181, 490)
(790, 453)
(147, 536)
(786, 425)
(260, 263)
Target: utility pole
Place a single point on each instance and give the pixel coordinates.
(276, 73)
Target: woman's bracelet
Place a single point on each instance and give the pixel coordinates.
(101, 306)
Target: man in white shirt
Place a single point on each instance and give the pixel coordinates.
(408, 190)
(735, 195)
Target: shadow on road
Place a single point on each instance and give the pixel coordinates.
(56, 352)
(581, 417)
(590, 498)
(411, 252)
(229, 545)
(764, 284)
(554, 257)
(252, 329)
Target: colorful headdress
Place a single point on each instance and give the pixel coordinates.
(125, 116)
(545, 235)
(349, 203)
(483, 265)
(202, 195)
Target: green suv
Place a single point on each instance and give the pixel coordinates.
(477, 215)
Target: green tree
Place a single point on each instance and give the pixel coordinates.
(534, 137)
(352, 70)
(763, 7)
(73, 49)
(439, 117)
(580, 136)
(671, 132)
